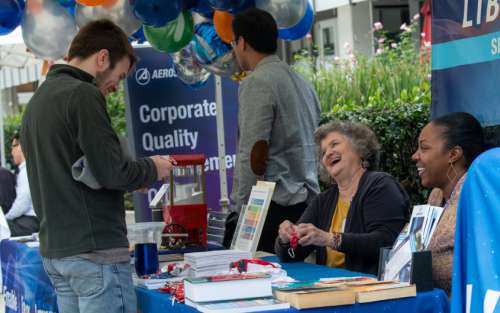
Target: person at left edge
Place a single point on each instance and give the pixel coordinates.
(83, 235)
(21, 217)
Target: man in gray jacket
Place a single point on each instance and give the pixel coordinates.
(278, 113)
(83, 236)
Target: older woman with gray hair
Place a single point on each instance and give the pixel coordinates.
(361, 212)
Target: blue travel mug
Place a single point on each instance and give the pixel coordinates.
(146, 259)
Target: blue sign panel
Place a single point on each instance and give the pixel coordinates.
(167, 117)
(466, 59)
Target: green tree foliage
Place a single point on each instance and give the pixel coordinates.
(390, 92)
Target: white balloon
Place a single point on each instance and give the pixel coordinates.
(287, 13)
(120, 13)
(48, 31)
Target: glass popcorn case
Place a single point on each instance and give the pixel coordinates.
(185, 206)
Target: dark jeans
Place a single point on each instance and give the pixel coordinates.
(275, 216)
(23, 226)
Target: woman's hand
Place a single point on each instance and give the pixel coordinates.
(311, 235)
(286, 231)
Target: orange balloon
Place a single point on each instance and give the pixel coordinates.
(91, 3)
(223, 22)
(108, 4)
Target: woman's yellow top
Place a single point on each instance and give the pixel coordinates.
(333, 257)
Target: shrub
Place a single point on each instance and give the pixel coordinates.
(390, 92)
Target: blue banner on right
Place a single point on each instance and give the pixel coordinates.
(466, 58)
(476, 260)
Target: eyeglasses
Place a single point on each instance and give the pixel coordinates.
(234, 43)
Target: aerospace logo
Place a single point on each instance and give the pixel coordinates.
(142, 76)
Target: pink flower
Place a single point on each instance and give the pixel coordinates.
(381, 40)
(394, 45)
(427, 44)
(416, 17)
(378, 26)
(422, 35)
(379, 51)
(405, 27)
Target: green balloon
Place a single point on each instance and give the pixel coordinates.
(173, 36)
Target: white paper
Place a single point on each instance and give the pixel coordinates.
(159, 195)
(399, 259)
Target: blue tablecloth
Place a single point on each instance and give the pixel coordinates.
(26, 285)
(436, 301)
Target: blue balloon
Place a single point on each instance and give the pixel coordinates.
(207, 45)
(67, 3)
(138, 36)
(301, 28)
(11, 13)
(203, 8)
(189, 4)
(156, 13)
(71, 9)
(245, 5)
(225, 5)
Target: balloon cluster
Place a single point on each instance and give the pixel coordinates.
(196, 33)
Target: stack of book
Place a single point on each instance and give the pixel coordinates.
(232, 293)
(342, 291)
(212, 262)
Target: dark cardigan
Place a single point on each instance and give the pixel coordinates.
(379, 210)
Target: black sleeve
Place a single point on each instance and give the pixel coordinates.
(101, 146)
(310, 215)
(385, 212)
(7, 189)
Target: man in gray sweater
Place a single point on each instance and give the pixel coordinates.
(83, 236)
(278, 113)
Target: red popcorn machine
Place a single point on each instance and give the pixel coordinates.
(185, 207)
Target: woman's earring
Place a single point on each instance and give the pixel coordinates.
(455, 173)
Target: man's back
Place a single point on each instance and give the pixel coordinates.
(65, 119)
(294, 110)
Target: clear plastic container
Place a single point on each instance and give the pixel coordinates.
(146, 232)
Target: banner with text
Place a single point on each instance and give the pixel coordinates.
(466, 58)
(164, 116)
(476, 265)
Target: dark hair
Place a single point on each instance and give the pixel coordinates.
(464, 130)
(16, 136)
(98, 35)
(258, 28)
(363, 140)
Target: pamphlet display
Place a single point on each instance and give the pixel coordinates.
(252, 217)
(415, 237)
